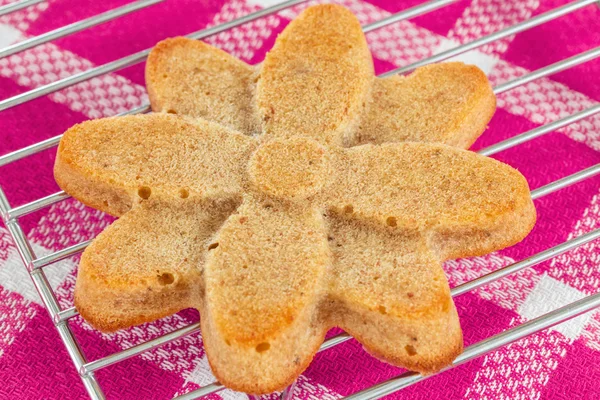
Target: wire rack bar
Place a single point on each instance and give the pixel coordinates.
(566, 181)
(89, 381)
(512, 30)
(539, 131)
(201, 392)
(66, 314)
(526, 263)
(407, 14)
(21, 242)
(37, 205)
(135, 350)
(483, 347)
(141, 55)
(29, 150)
(549, 70)
(43, 287)
(60, 255)
(133, 58)
(47, 295)
(18, 5)
(76, 27)
(53, 141)
(335, 340)
(288, 392)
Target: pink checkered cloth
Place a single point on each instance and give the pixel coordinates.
(560, 363)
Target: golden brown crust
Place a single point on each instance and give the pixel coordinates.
(113, 163)
(391, 340)
(278, 238)
(281, 375)
(316, 79)
(389, 292)
(264, 282)
(449, 103)
(90, 191)
(145, 265)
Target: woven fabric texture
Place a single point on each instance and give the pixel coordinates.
(559, 363)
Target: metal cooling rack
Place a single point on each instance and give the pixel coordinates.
(35, 265)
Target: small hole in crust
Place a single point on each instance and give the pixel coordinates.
(184, 193)
(349, 209)
(144, 192)
(227, 342)
(171, 111)
(243, 220)
(382, 310)
(244, 266)
(268, 206)
(410, 349)
(410, 295)
(262, 347)
(105, 202)
(166, 279)
(391, 221)
(213, 246)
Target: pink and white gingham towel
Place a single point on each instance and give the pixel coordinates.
(560, 363)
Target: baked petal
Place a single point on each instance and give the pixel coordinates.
(449, 103)
(463, 203)
(112, 163)
(316, 79)
(264, 281)
(189, 77)
(147, 264)
(391, 294)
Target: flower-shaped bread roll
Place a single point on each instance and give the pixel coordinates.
(267, 222)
